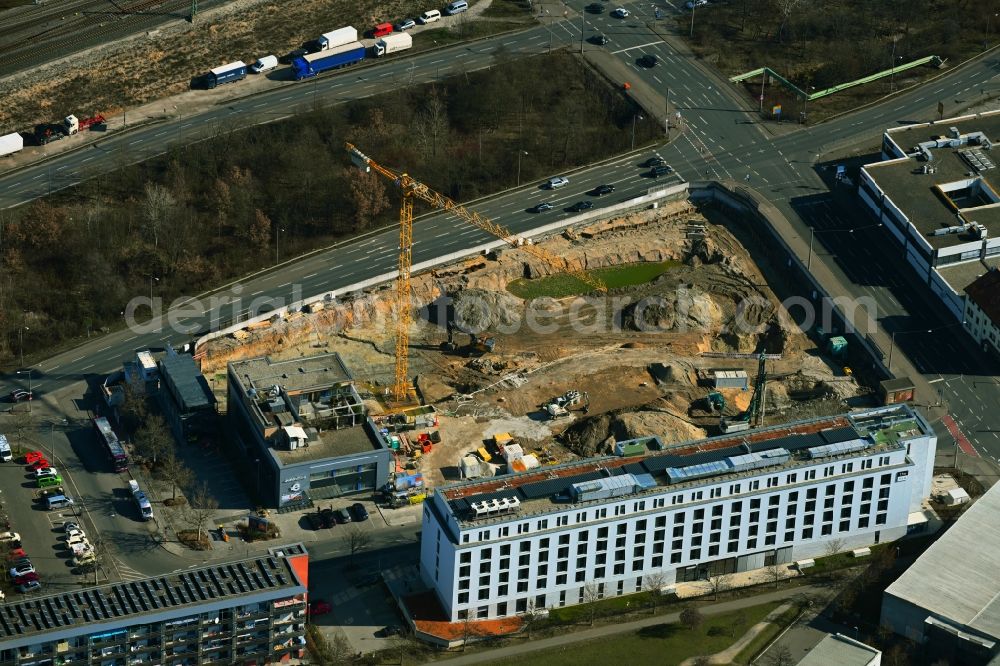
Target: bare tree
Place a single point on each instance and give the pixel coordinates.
(356, 540)
(153, 439)
(469, 630)
(21, 423)
(833, 546)
(530, 618)
(157, 204)
(774, 573)
(720, 583)
(200, 509)
(779, 655)
(173, 470)
(654, 584)
(691, 618)
(134, 408)
(591, 595)
(368, 196)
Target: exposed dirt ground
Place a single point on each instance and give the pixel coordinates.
(637, 379)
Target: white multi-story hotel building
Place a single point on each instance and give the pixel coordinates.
(498, 547)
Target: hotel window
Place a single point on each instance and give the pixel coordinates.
(810, 474)
(772, 481)
(751, 543)
(463, 597)
(862, 522)
(675, 558)
(733, 546)
(845, 525)
(639, 506)
(789, 536)
(677, 499)
(620, 510)
(695, 553)
(661, 521)
(807, 533)
(679, 517)
(755, 485)
(734, 488)
(543, 524)
(562, 521)
(792, 478)
(697, 495)
(715, 492)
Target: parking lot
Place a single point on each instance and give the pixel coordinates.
(41, 532)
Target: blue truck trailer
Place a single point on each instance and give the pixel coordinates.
(314, 63)
(234, 71)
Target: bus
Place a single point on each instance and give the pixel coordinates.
(112, 447)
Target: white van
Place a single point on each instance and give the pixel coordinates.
(456, 7)
(429, 16)
(5, 454)
(58, 502)
(265, 64)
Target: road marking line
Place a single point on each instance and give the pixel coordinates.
(434, 62)
(310, 275)
(640, 46)
(77, 359)
(257, 292)
(104, 348)
(286, 98)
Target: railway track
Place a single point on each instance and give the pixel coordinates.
(38, 37)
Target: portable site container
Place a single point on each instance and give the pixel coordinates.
(234, 71)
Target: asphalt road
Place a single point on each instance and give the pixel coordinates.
(720, 139)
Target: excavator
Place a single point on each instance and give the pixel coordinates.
(755, 410)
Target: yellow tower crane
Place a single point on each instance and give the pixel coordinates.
(410, 188)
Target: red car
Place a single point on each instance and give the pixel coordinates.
(16, 554)
(33, 456)
(319, 607)
(39, 464)
(26, 578)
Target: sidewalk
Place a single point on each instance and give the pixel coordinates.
(625, 627)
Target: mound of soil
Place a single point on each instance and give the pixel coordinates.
(597, 434)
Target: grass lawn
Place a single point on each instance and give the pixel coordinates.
(661, 644)
(562, 285)
(765, 637)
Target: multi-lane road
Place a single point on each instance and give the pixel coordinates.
(720, 139)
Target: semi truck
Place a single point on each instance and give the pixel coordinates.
(315, 63)
(234, 71)
(339, 37)
(10, 143)
(141, 501)
(399, 41)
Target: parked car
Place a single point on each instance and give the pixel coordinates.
(21, 569)
(649, 60)
(599, 39)
(405, 24)
(343, 515)
(16, 554)
(542, 207)
(46, 471)
(621, 12)
(75, 534)
(39, 464)
(31, 457)
(70, 527)
(581, 206)
(557, 182)
(32, 586)
(315, 520)
(595, 8)
(18, 395)
(658, 171)
(26, 578)
(329, 519)
(601, 190)
(319, 607)
(653, 162)
(359, 512)
(9, 536)
(21, 561)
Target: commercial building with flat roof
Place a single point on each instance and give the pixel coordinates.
(949, 599)
(618, 525)
(302, 430)
(250, 611)
(982, 311)
(187, 401)
(937, 191)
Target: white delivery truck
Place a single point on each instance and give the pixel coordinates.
(397, 41)
(10, 143)
(265, 64)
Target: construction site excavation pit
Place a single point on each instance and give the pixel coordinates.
(503, 348)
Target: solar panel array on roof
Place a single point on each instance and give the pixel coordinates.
(111, 602)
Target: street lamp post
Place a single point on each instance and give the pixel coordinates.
(30, 395)
(277, 230)
(693, 5)
(520, 154)
(892, 68)
(20, 341)
(812, 235)
(151, 280)
(634, 118)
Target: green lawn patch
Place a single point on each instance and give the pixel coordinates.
(764, 638)
(662, 644)
(562, 285)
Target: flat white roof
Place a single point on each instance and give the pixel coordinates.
(838, 650)
(956, 578)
